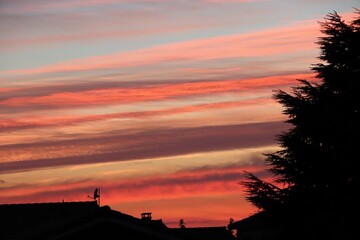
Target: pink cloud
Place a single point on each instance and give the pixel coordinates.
(194, 188)
(233, 1)
(31, 6)
(122, 146)
(297, 38)
(94, 36)
(41, 121)
(151, 93)
(5, 90)
(186, 183)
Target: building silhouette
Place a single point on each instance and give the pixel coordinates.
(87, 220)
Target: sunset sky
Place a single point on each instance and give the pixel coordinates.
(163, 104)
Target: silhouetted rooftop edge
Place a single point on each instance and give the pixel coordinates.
(76, 220)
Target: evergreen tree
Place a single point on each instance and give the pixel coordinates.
(318, 163)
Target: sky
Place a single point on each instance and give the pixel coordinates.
(162, 104)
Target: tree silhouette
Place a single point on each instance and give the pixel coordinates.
(231, 221)
(182, 223)
(317, 165)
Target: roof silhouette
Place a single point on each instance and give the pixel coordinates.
(87, 220)
(73, 220)
(204, 233)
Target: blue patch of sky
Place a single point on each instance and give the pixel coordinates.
(222, 19)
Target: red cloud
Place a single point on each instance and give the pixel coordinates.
(139, 145)
(151, 93)
(41, 121)
(161, 194)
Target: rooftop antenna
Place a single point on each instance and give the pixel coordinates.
(96, 195)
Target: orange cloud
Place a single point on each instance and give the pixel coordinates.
(41, 121)
(160, 193)
(186, 183)
(125, 146)
(4, 90)
(151, 93)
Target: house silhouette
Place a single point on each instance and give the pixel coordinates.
(87, 220)
(291, 225)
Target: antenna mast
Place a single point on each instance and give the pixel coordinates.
(96, 196)
(99, 197)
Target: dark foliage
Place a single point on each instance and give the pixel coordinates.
(318, 163)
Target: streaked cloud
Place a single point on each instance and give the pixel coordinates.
(149, 189)
(151, 93)
(21, 123)
(263, 43)
(125, 147)
(204, 183)
(163, 104)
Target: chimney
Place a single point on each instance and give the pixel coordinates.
(146, 216)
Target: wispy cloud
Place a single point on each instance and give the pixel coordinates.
(280, 40)
(41, 121)
(199, 186)
(161, 103)
(184, 183)
(92, 36)
(233, 1)
(149, 93)
(38, 6)
(140, 145)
